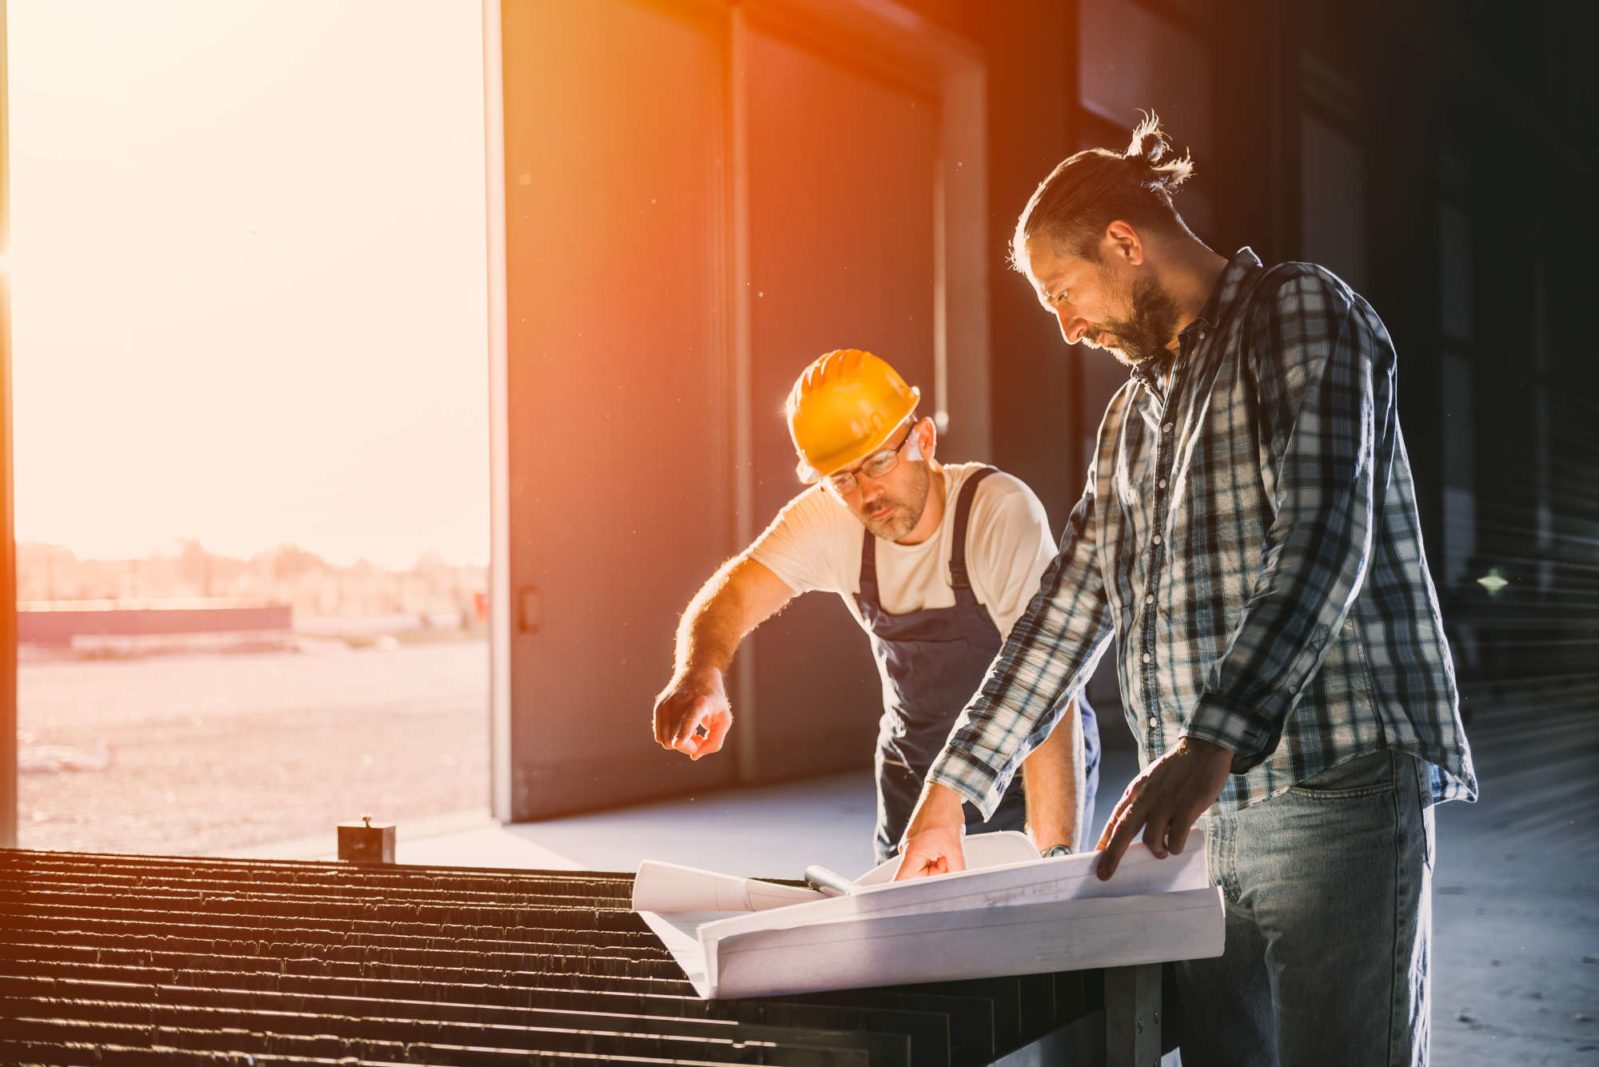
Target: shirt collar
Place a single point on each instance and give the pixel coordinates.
(1238, 271)
(1228, 288)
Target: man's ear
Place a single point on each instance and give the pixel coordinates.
(1124, 242)
(926, 432)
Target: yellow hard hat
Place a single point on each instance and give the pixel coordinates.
(844, 407)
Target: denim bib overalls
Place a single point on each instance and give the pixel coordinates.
(931, 662)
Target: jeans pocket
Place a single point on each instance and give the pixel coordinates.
(1362, 776)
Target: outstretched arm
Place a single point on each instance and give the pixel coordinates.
(692, 714)
(1050, 653)
(1055, 778)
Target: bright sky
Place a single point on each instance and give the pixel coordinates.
(248, 276)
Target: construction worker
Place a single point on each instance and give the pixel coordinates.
(935, 563)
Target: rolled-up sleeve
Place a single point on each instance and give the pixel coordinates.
(1324, 369)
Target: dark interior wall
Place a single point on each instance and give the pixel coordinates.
(817, 232)
(1402, 189)
(1030, 55)
(1032, 77)
(1484, 113)
(1566, 613)
(1537, 406)
(1256, 159)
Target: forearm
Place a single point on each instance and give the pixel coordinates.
(932, 841)
(710, 631)
(1048, 655)
(736, 599)
(1053, 776)
(692, 714)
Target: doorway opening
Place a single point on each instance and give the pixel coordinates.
(250, 431)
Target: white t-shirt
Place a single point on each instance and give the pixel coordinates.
(814, 543)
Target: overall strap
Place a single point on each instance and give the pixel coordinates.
(958, 578)
(869, 566)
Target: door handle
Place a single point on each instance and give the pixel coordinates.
(530, 610)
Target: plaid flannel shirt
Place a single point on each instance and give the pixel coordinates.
(1249, 534)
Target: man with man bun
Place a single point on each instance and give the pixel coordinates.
(1249, 535)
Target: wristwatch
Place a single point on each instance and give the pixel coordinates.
(1057, 850)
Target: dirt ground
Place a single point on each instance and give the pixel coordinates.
(206, 754)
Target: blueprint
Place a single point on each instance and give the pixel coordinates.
(1009, 912)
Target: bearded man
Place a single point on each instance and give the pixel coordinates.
(1249, 535)
(934, 561)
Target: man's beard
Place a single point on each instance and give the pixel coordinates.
(1141, 341)
(906, 514)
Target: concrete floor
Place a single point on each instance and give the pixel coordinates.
(773, 831)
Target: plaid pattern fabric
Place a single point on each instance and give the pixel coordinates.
(1249, 534)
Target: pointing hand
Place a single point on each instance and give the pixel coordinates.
(692, 714)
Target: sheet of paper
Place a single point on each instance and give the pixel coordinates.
(981, 850)
(668, 888)
(987, 943)
(1063, 878)
(680, 934)
(1021, 917)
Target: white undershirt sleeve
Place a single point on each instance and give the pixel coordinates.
(811, 544)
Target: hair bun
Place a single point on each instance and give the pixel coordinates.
(1094, 186)
(1150, 146)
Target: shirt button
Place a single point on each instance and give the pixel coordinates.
(1147, 657)
(1163, 483)
(1149, 598)
(1166, 428)
(1157, 539)
(1153, 721)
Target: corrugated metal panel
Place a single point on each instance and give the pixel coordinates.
(144, 959)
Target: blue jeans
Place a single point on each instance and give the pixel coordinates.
(1329, 925)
